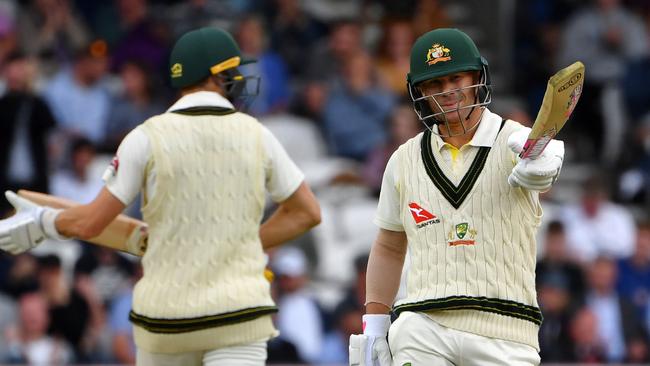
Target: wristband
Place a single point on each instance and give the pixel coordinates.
(376, 325)
(48, 223)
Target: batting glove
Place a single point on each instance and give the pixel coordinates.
(535, 174)
(371, 347)
(28, 227)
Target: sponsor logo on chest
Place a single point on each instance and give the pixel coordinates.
(421, 216)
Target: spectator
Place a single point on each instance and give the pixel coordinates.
(356, 294)
(110, 271)
(121, 329)
(634, 272)
(356, 111)
(142, 37)
(638, 351)
(635, 93)
(310, 100)
(137, 103)
(537, 30)
(554, 295)
(8, 33)
(185, 16)
(8, 316)
(429, 14)
(556, 262)
(25, 122)
(330, 55)
(634, 183)
(274, 91)
(281, 351)
(335, 343)
(587, 346)
(75, 312)
(52, 31)
(20, 277)
(394, 54)
(403, 125)
(299, 318)
(618, 324)
(605, 36)
(596, 226)
(76, 183)
(28, 341)
(293, 34)
(78, 97)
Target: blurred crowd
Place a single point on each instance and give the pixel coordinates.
(78, 75)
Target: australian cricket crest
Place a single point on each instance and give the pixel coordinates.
(462, 234)
(438, 53)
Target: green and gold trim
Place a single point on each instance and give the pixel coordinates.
(205, 111)
(173, 326)
(455, 195)
(491, 305)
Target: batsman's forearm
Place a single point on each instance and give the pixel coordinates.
(283, 226)
(384, 271)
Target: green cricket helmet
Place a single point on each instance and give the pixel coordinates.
(208, 51)
(442, 52)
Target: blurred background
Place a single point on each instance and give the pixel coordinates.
(76, 76)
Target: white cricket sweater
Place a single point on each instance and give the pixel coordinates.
(473, 254)
(203, 285)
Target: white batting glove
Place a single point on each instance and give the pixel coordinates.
(28, 227)
(535, 174)
(371, 347)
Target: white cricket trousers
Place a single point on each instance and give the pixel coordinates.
(414, 339)
(252, 354)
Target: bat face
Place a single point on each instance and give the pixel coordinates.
(562, 94)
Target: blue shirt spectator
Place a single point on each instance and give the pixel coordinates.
(77, 96)
(356, 111)
(634, 272)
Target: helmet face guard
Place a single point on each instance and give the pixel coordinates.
(422, 104)
(241, 90)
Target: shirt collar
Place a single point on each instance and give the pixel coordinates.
(486, 131)
(201, 99)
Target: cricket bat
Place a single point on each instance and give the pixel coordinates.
(562, 93)
(121, 234)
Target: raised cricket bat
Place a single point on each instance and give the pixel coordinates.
(562, 93)
(117, 233)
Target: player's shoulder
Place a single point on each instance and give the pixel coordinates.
(246, 118)
(511, 126)
(153, 119)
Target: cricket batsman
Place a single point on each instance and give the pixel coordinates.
(467, 208)
(203, 168)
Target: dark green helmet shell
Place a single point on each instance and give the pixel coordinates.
(441, 52)
(201, 53)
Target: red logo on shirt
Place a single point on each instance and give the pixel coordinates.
(419, 214)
